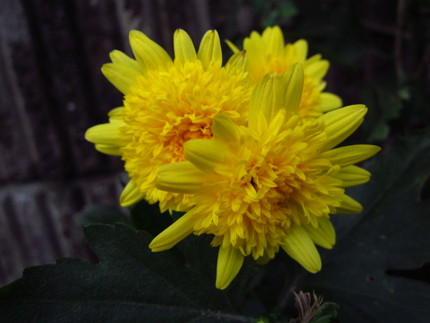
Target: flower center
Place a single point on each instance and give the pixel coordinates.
(273, 186)
(168, 107)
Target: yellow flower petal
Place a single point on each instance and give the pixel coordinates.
(254, 48)
(329, 101)
(171, 103)
(121, 76)
(120, 58)
(324, 235)
(273, 127)
(254, 41)
(205, 154)
(348, 155)
(210, 49)
(108, 149)
(341, 123)
(183, 46)
(301, 49)
(230, 260)
(299, 246)
(274, 40)
(182, 177)
(225, 130)
(268, 97)
(130, 195)
(294, 78)
(116, 114)
(105, 134)
(238, 60)
(232, 46)
(353, 175)
(180, 229)
(147, 52)
(349, 206)
(316, 69)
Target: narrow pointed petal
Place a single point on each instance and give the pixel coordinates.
(121, 76)
(267, 97)
(205, 154)
(238, 60)
(311, 60)
(116, 114)
(316, 69)
(341, 123)
(254, 41)
(301, 49)
(255, 55)
(108, 149)
(183, 46)
(105, 134)
(294, 78)
(130, 195)
(349, 206)
(230, 260)
(210, 49)
(179, 230)
(149, 53)
(120, 58)
(182, 177)
(225, 130)
(349, 155)
(324, 235)
(274, 126)
(353, 176)
(299, 246)
(232, 46)
(273, 40)
(329, 101)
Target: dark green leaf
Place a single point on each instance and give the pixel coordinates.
(105, 214)
(384, 105)
(380, 132)
(147, 217)
(129, 284)
(288, 10)
(326, 313)
(391, 234)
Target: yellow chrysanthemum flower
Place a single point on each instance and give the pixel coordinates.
(167, 102)
(271, 184)
(268, 52)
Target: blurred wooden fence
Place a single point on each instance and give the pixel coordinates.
(51, 91)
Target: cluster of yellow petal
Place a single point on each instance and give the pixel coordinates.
(268, 52)
(271, 184)
(247, 149)
(166, 104)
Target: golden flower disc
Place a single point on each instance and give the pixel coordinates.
(166, 108)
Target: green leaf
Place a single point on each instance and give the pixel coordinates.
(105, 214)
(385, 105)
(288, 10)
(392, 234)
(326, 313)
(147, 217)
(129, 284)
(380, 132)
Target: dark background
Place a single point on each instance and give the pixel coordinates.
(52, 90)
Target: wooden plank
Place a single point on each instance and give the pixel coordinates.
(29, 147)
(70, 96)
(38, 221)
